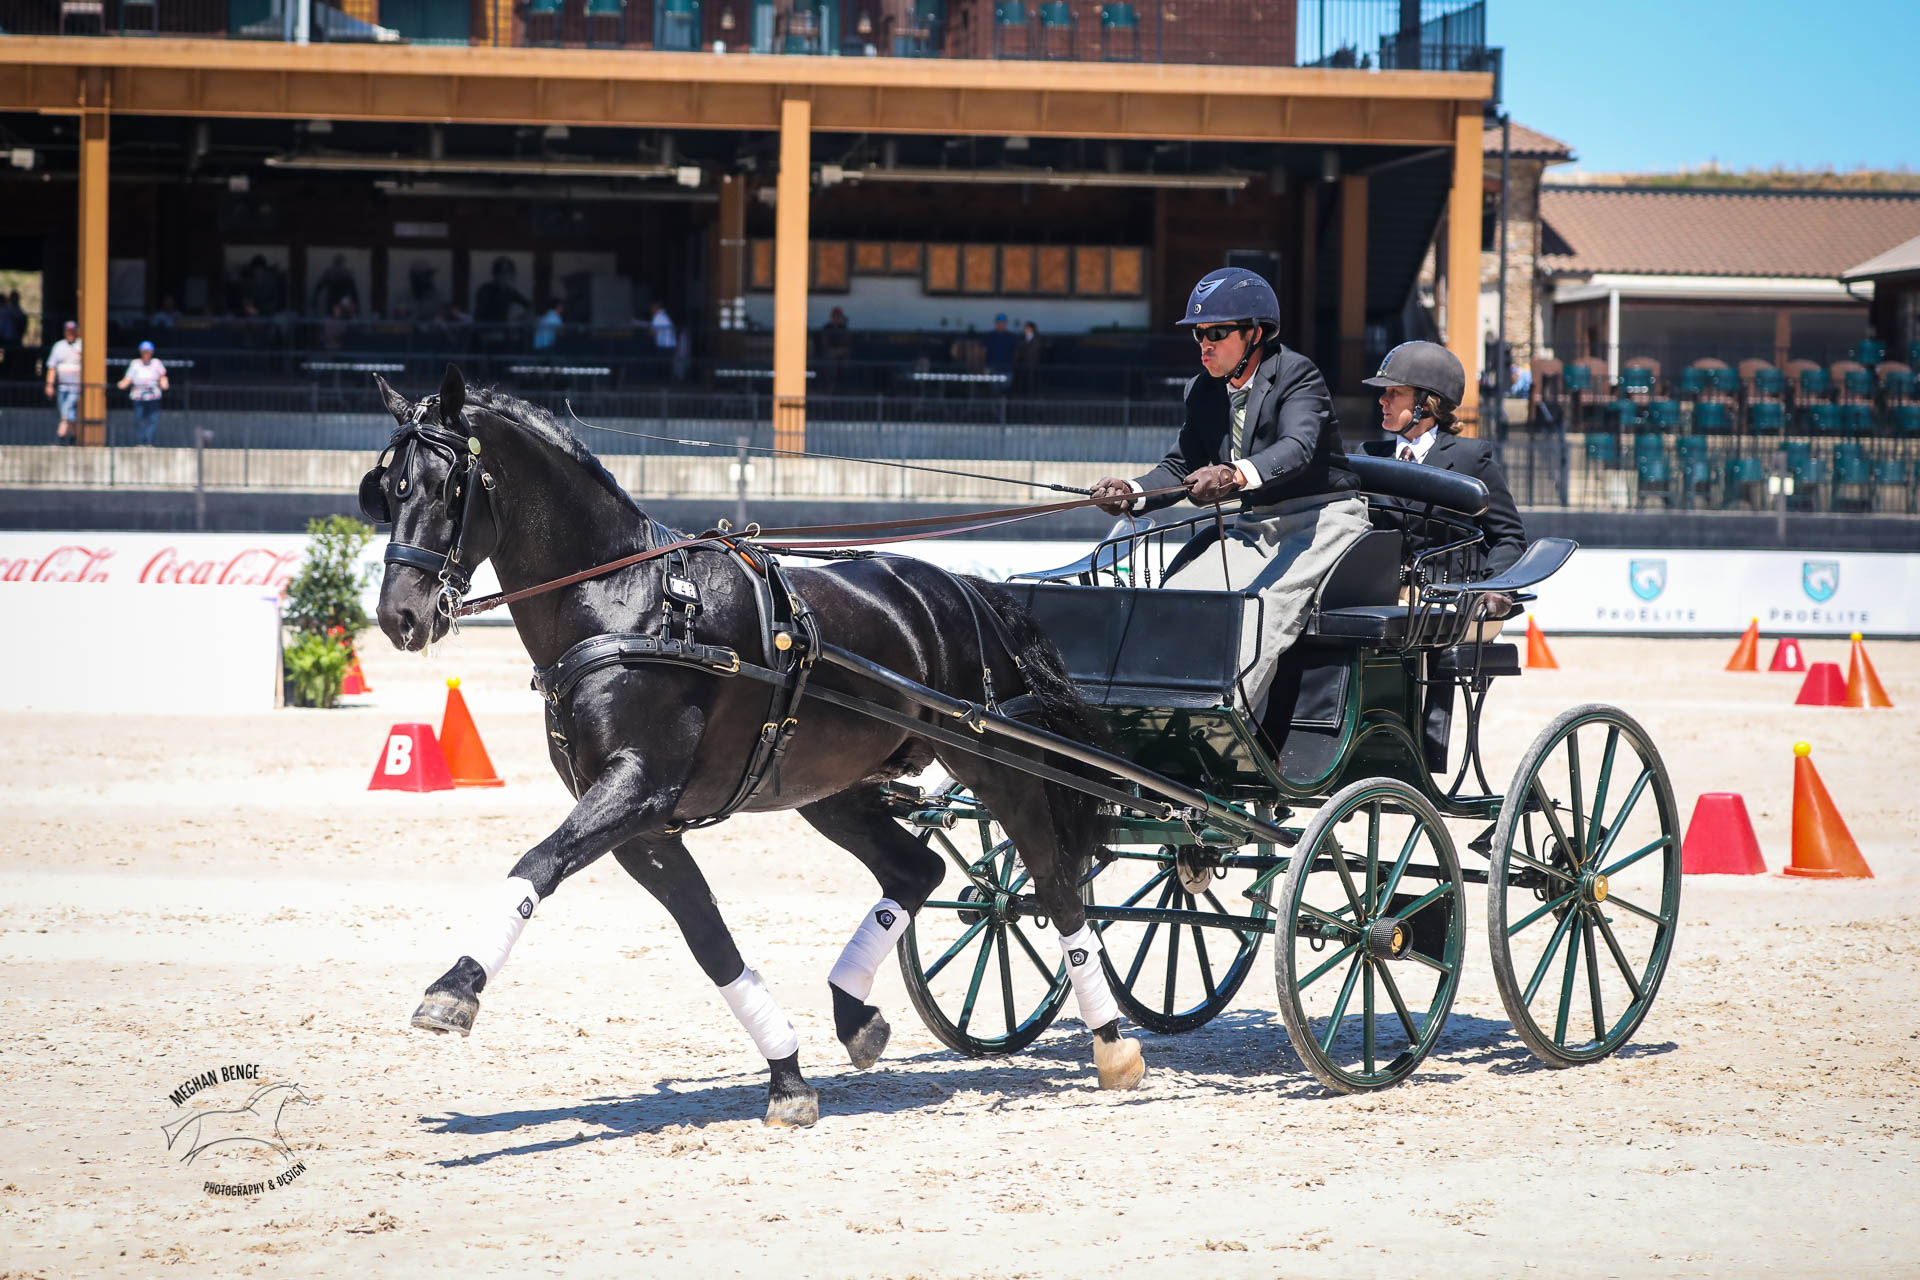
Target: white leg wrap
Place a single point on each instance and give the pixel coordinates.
(758, 1012)
(876, 936)
(1090, 989)
(499, 928)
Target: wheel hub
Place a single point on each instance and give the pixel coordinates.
(1193, 864)
(1593, 887)
(1389, 938)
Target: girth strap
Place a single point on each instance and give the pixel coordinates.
(596, 653)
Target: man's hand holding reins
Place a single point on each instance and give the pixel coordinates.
(1113, 496)
(1214, 484)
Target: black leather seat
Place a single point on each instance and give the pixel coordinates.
(1382, 624)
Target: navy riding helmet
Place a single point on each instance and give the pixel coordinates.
(1231, 295)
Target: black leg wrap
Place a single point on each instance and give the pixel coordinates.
(860, 1028)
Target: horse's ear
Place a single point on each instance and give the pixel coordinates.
(398, 405)
(453, 396)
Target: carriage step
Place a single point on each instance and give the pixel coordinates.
(1483, 843)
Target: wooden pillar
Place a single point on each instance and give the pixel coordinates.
(730, 261)
(1353, 280)
(1463, 258)
(93, 258)
(790, 253)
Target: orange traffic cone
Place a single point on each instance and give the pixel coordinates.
(1538, 655)
(1822, 687)
(1823, 848)
(1746, 654)
(1863, 683)
(466, 757)
(1720, 839)
(1787, 656)
(356, 682)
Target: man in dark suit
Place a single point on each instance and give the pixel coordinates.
(1259, 427)
(1420, 387)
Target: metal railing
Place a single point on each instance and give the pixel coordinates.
(1383, 35)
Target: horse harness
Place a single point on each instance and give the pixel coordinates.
(463, 494)
(790, 637)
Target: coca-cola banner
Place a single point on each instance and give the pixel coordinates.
(176, 559)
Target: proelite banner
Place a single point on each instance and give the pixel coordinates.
(1650, 592)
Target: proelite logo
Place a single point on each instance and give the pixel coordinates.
(1648, 578)
(1820, 579)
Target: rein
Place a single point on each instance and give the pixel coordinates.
(983, 520)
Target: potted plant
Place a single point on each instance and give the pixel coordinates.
(323, 611)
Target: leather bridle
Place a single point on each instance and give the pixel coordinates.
(464, 494)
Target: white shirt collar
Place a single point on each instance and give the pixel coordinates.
(1421, 446)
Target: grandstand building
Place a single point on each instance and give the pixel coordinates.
(291, 193)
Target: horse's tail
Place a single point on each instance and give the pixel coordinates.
(1061, 710)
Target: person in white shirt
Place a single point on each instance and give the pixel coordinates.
(663, 335)
(148, 378)
(63, 369)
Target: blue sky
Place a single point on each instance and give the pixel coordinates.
(1646, 86)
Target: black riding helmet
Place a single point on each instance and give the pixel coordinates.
(1424, 366)
(1234, 295)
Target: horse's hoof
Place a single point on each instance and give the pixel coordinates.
(865, 1046)
(1120, 1063)
(443, 1011)
(796, 1110)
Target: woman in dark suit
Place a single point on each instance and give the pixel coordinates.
(1420, 387)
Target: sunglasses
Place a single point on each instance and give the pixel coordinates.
(1217, 332)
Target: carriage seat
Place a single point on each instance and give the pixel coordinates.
(1457, 662)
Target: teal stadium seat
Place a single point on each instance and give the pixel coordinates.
(1650, 465)
(1724, 381)
(1622, 415)
(1057, 15)
(1663, 415)
(1117, 21)
(603, 12)
(1821, 419)
(1856, 384)
(1692, 382)
(1745, 479)
(1897, 385)
(1906, 420)
(1856, 419)
(1636, 381)
(543, 14)
(1892, 476)
(1870, 352)
(1603, 448)
(1696, 464)
(1815, 384)
(1010, 16)
(1769, 382)
(1853, 474)
(1574, 377)
(1766, 417)
(1712, 417)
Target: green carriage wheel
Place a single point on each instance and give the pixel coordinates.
(1172, 977)
(983, 974)
(1371, 932)
(1583, 894)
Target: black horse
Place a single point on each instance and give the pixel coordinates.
(647, 747)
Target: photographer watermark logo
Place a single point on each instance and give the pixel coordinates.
(235, 1125)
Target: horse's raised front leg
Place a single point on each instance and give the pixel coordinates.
(908, 872)
(616, 807)
(662, 864)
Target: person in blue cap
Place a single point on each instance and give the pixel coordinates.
(1259, 428)
(147, 378)
(1001, 344)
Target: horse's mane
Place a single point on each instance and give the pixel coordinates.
(541, 424)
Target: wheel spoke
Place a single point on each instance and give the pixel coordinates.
(1540, 970)
(1399, 1005)
(1173, 960)
(1339, 860)
(1324, 969)
(1620, 818)
(1006, 984)
(1399, 867)
(973, 988)
(1636, 855)
(1147, 888)
(1146, 939)
(1373, 855)
(973, 930)
(1543, 868)
(1219, 906)
(1536, 914)
(1366, 1017)
(1020, 935)
(1553, 819)
(1344, 926)
(1340, 1005)
(1566, 991)
(1200, 953)
(1619, 956)
(1593, 982)
(1614, 900)
(1420, 957)
(1442, 890)
(1600, 788)
(1579, 821)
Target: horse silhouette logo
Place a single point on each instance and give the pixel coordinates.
(256, 1122)
(1648, 578)
(1820, 579)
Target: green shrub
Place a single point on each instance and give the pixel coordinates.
(323, 609)
(316, 667)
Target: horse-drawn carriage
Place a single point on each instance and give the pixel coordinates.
(678, 675)
(1327, 821)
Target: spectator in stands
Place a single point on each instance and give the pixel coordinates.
(13, 334)
(664, 337)
(63, 370)
(1001, 345)
(336, 285)
(333, 333)
(166, 315)
(1027, 358)
(1259, 425)
(263, 288)
(148, 379)
(836, 336)
(499, 302)
(546, 330)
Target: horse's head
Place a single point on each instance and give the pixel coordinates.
(432, 486)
